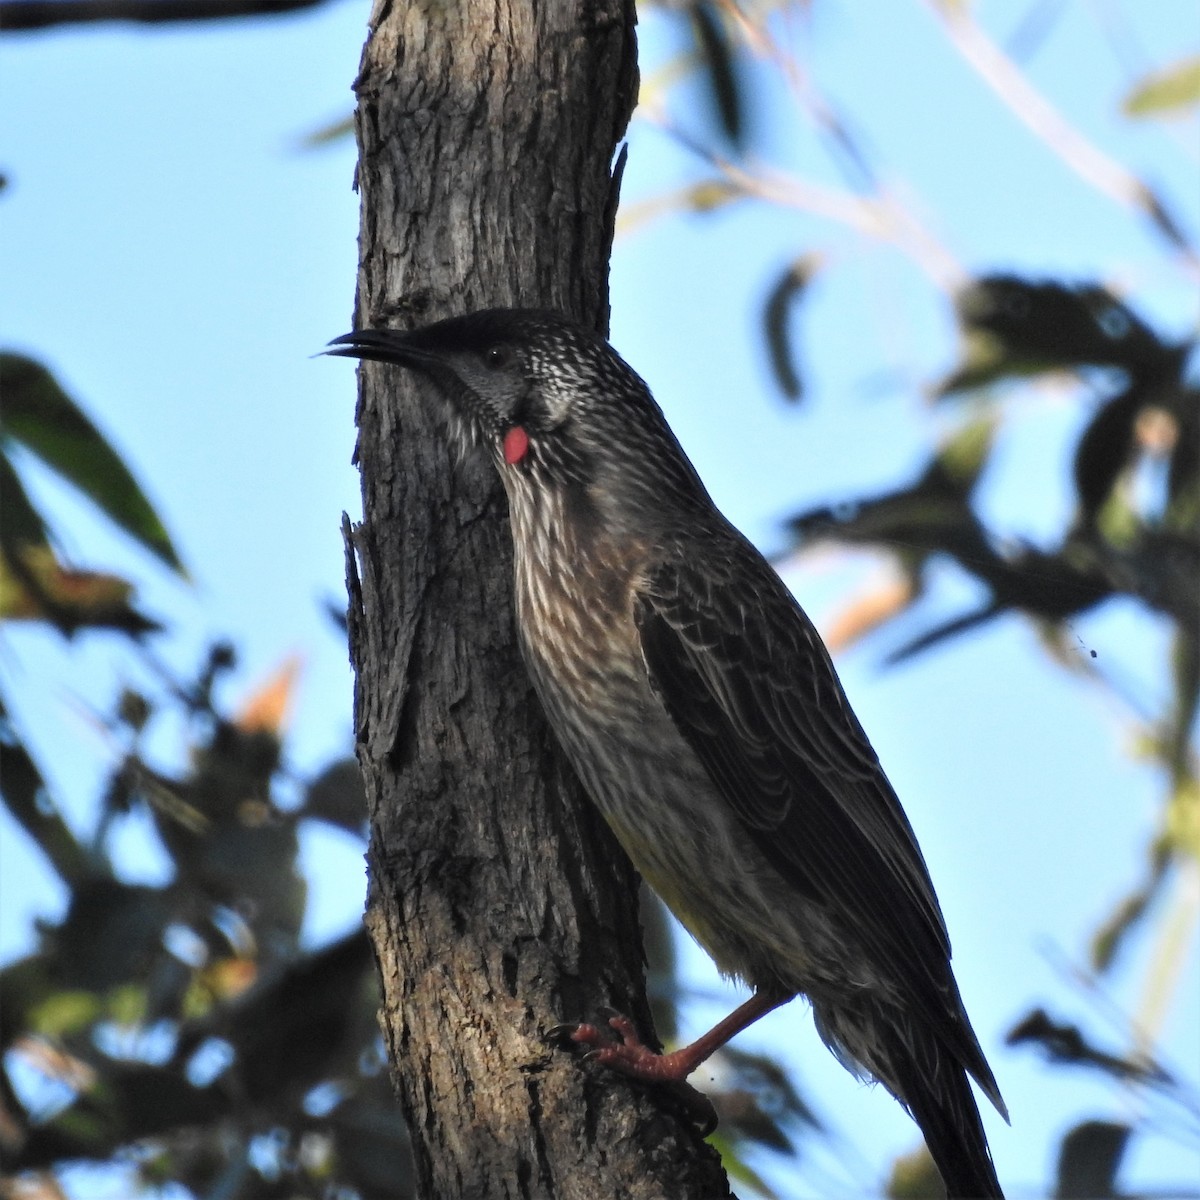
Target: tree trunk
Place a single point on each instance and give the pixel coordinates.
(499, 902)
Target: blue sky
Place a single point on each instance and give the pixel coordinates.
(175, 256)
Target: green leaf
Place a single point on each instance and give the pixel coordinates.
(23, 524)
(915, 1177)
(1110, 938)
(64, 1013)
(1166, 92)
(333, 131)
(47, 422)
(961, 458)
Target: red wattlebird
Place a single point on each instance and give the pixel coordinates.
(705, 718)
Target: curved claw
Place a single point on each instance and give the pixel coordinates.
(626, 1053)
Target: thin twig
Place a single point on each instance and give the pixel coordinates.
(875, 217)
(1012, 85)
(897, 220)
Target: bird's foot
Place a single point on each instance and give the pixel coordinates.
(629, 1055)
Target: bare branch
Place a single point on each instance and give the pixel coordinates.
(28, 15)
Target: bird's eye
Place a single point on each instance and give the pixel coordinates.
(496, 357)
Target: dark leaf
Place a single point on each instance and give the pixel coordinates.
(1183, 477)
(1067, 1044)
(338, 797)
(111, 934)
(738, 1169)
(932, 637)
(24, 985)
(335, 610)
(132, 1102)
(134, 710)
(758, 1100)
(721, 70)
(246, 861)
(782, 300)
(1104, 450)
(43, 418)
(662, 978)
(1162, 569)
(300, 1021)
(23, 524)
(374, 1149)
(932, 516)
(1089, 1159)
(1016, 327)
(913, 523)
(27, 798)
(1049, 587)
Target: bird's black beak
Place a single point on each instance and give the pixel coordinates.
(382, 345)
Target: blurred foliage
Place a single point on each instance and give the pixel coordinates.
(182, 1028)
(1135, 531)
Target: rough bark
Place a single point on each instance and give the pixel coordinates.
(499, 903)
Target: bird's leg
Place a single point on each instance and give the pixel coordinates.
(632, 1057)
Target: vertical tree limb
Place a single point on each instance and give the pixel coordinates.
(499, 903)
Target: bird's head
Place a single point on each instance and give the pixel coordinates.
(553, 403)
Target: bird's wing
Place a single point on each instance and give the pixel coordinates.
(750, 686)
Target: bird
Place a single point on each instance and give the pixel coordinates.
(703, 714)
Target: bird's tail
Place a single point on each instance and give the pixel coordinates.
(925, 1066)
(932, 1083)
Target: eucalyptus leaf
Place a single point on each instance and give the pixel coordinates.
(39, 415)
(1167, 92)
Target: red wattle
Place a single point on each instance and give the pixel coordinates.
(516, 443)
